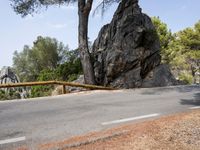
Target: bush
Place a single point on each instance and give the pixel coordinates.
(47, 75)
(2, 95)
(40, 91)
(69, 70)
(12, 94)
(186, 77)
(72, 77)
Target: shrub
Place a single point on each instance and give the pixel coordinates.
(186, 77)
(12, 94)
(39, 91)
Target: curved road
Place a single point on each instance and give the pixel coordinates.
(43, 120)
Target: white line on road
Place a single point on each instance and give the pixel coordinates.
(129, 119)
(196, 107)
(12, 140)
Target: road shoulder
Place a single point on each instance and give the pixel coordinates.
(179, 131)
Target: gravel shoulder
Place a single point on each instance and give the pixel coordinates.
(179, 131)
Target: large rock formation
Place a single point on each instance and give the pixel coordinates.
(127, 49)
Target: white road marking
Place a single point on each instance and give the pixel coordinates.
(197, 107)
(129, 119)
(12, 140)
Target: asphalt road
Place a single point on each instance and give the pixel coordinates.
(43, 120)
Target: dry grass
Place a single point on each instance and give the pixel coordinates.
(176, 132)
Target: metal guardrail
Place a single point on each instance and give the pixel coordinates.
(63, 83)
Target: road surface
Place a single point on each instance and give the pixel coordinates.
(42, 120)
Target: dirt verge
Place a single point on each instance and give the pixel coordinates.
(180, 131)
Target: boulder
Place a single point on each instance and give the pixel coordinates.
(160, 76)
(127, 49)
(80, 80)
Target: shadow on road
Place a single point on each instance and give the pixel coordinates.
(181, 89)
(195, 101)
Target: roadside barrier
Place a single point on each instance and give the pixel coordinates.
(63, 83)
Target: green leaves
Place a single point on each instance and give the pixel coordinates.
(25, 7)
(12, 94)
(46, 54)
(180, 50)
(165, 37)
(47, 60)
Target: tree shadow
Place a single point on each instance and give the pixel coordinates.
(195, 101)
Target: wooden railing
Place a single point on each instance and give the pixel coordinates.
(63, 83)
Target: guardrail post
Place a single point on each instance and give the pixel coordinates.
(64, 90)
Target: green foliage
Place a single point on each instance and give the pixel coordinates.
(190, 41)
(25, 7)
(68, 71)
(39, 91)
(72, 77)
(165, 37)
(72, 67)
(47, 75)
(12, 94)
(46, 54)
(190, 37)
(163, 32)
(2, 95)
(21, 65)
(181, 50)
(185, 77)
(47, 60)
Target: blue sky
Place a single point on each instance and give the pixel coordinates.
(62, 23)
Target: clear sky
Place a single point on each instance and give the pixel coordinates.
(62, 23)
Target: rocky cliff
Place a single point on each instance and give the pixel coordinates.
(127, 49)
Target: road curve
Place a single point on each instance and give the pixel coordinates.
(36, 121)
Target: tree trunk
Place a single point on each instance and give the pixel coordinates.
(193, 71)
(84, 9)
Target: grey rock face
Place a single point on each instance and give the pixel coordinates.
(127, 49)
(77, 89)
(160, 76)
